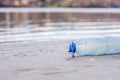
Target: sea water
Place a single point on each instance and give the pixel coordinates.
(73, 31)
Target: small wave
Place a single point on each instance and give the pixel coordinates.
(57, 33)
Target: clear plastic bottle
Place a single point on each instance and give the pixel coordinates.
(96, 46)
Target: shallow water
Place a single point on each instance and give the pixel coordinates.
(60, 31)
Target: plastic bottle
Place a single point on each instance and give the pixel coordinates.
(96, 46)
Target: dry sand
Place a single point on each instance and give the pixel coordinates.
(51, 61)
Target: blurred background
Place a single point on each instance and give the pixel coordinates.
(15, 23)
(60, 3)
(41, 18)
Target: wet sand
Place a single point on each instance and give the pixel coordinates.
(51, 61)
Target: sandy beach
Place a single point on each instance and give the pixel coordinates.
(47, 60)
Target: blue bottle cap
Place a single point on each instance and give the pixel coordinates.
(72, 48)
